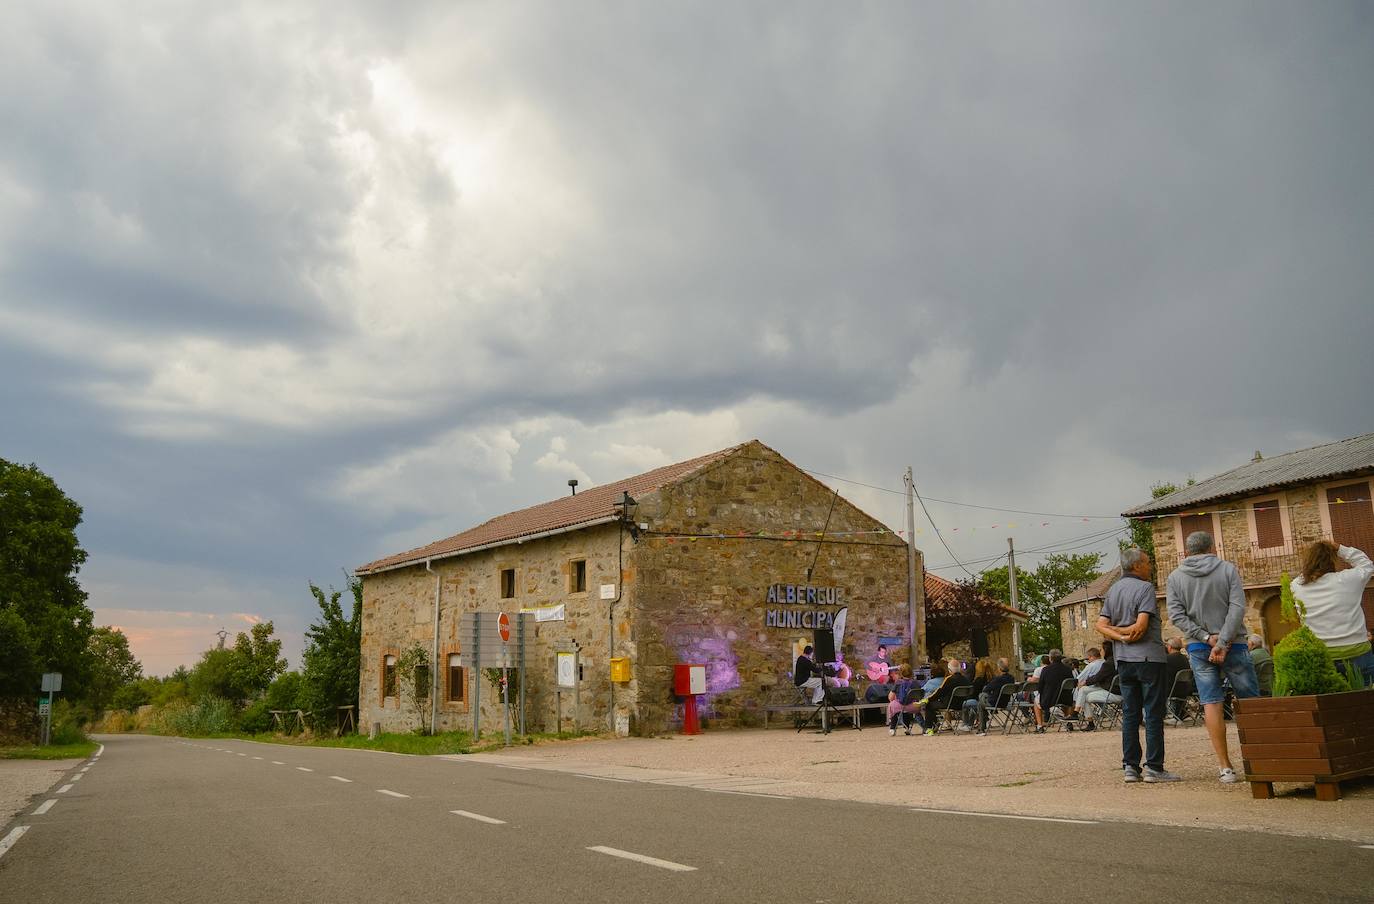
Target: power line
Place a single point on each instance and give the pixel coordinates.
(934, 527)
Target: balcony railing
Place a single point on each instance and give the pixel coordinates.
(1258, 567)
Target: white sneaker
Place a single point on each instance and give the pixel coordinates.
(1229, 777)
(892, 731)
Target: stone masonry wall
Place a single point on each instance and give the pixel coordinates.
(704, 600)
(398, 610)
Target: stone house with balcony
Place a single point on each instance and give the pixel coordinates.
(1263, 513)
(1078, 612)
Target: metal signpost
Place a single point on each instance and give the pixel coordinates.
(52, 683)
(486, 638)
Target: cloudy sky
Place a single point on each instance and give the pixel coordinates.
(290, 287)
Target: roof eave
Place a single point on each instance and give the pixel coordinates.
(524, 538)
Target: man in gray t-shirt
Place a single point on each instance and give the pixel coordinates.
(1130, 619)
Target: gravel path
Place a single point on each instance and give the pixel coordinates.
(20, 780)
(1055, 774)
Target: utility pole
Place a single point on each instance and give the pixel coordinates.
(1011, 581)
(915, 586)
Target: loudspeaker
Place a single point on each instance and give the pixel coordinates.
(824, 642)
(980, 643)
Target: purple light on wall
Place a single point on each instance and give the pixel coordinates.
(717, 654)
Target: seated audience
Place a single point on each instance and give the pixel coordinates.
(935, 702)
(903, 699)
(976, 711)
(1050, 688)
(1095, 690)
(1176, 662)
(1263, 663)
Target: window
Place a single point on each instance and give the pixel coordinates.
(388, 676)
(1190, 524)
(1268, 524)
(507, 583)
(577, 577)
(456, 691)
(421, 682)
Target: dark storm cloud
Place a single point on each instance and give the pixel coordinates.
(1046, 253)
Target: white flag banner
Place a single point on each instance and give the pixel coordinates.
(547, 613)
(839, 631)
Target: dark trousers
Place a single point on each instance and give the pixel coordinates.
(1142, 695)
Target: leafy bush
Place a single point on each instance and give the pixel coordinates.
(208, 715)
(255, 717)
(1303, 665)
(68, 723)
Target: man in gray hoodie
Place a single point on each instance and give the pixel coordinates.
(1207, 604)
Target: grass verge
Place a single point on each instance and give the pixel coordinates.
(76, 751)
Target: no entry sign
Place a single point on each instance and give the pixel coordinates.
(503, 627)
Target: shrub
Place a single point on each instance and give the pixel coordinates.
(1302, 663)
(255, 718)
(208, 715)
(68, 723)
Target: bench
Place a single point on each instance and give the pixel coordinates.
(853, 710)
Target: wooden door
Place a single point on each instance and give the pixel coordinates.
(1276, 627)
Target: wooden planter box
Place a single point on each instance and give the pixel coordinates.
(1320, 738)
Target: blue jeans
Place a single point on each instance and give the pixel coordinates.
(1207, 675)
(1365, 665)
(1142, 694)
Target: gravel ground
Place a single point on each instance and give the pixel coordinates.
(1054, 774)
(20, 780)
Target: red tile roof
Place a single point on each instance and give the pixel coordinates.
(939, 590)
(590, 506)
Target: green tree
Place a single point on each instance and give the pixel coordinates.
(412, 667)
(257, 660)
(959, 616)
(330, 663)
(44, 620)
(1039, 590)
(112, 666)
(214, 676)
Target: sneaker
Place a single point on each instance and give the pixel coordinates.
(963, 729)
(1090, 727)
(1228, 776)
(892, 731)
(1153, 776)
(1130, 774)
(907, 729)
(1039, 729)
(930, 732)
(980, 734)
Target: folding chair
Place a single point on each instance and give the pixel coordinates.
(1065, 687)
(999, 710)
(1021, 711)
(953, 710)
(1109, 711)
(1190, 705)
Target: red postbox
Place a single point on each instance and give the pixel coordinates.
(688, 681)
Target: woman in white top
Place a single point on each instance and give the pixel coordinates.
(1330, 588)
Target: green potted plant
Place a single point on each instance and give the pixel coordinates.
(1315, 728)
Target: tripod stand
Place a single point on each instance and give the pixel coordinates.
(825, 710)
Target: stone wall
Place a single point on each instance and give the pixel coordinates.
(705, 600)
(398, 610)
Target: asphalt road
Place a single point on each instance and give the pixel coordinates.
(169, 821)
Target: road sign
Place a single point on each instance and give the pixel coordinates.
(567, 670)
(52, 682)
(43, 708)
(503, 627)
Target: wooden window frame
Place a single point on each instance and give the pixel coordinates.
(455, 706)
(501, 583)
(1324, 506)
(382, 695)
(1283, 549)
(1216, 532)
(572, 576)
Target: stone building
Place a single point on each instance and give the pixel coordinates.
(1078, 612)
(1263, 513)
(727, 560)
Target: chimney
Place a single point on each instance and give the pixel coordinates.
(573, 483)
(1258, 456)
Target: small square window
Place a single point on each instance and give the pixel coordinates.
(577, 577)
(388, 676)
(507, 583)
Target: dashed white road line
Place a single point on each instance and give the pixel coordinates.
(78, 777)
(257, 757)
(8, 841)
(1368, 847)
(643, 858)
(278, 763)
(516, 768)
(340, 778)
(243, 754)
(1077, 822)
(392, 793)
(479, 817)
(64, 789)
(45, 806)
(85, 768)
(305, 769)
